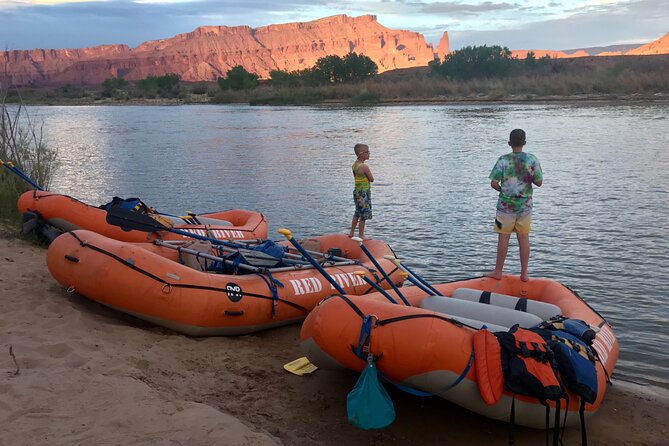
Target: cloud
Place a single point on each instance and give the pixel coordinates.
(79, 24)
(517, 24)
(461, 9)
(589, 25)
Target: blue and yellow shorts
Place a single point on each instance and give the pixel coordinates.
(509, 223)
(363, 204)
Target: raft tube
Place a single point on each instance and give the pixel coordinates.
(433, 352)
(67, 214)
(147, 281)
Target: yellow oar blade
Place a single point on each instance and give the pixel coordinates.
(300, 366)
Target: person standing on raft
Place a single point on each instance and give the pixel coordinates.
(513, 176)
(362, 191)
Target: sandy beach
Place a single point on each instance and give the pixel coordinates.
(85, 374)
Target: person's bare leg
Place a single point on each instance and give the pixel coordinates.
(502, 248)
(361, 229)
(354, 223)
(524, 247)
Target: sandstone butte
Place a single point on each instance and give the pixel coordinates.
(659, 46)
(209, 52)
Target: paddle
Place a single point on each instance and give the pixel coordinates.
(129, 220)
(364, 277)
(414, 278)
(383, 273)
(289, 236)
(327, 256)
(16, 171)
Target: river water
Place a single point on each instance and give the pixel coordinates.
(601, 219)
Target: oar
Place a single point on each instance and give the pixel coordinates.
(328, 256)
(299, 267)
(208, 256)
(364, 277)
(414, 278)
(292, 258)
(16, 171)
(289, 236)
(128, 219)
(383, 273)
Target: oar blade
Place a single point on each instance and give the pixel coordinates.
(129, 220)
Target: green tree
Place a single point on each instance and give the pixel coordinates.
(311, 77)
(530, 59)
(112, 85)
(279, 78)
(359, 67)
(166, 86)
(331, 69)
(475, 61)
(237, 78)
(544, 60)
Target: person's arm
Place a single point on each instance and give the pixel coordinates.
(364, 169)
(538, 177)
(496, 176)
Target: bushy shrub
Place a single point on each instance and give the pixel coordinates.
(328, 70)
(166, 86)
(21, 144)
(359, 67)
(111, 86)
(237, 78)
(284, 79)
(475, 61)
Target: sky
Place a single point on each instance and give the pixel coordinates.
(516, 24)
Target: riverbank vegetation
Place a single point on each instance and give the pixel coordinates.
(22, 145)
(471, 74)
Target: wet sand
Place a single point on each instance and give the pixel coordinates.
(86, 374)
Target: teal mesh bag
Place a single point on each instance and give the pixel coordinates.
(368, 405)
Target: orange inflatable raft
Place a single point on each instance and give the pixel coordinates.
(429, 346)
(146, 280)
(67, 213)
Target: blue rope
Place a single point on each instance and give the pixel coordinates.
(415, 392)
(272, 284)
(364, 339)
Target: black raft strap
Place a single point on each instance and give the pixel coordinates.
(521, 305)
(485, 297)
(512, 420)
(581, 413)
(556, 425)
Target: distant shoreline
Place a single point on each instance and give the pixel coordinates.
(482, 100)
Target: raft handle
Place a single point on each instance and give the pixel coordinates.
(234, 312)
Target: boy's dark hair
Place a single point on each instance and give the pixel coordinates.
(517, 138)
(360, 148)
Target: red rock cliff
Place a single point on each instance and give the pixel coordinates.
(210, 51)
(659, 46)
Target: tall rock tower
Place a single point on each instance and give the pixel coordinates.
(442, 47)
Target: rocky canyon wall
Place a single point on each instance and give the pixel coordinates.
(210, 51)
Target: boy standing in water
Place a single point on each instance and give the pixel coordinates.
(513, 176)
(362, 191)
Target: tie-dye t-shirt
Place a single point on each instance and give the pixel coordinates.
(515, 172)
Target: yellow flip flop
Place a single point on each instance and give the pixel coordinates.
(300, 366)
